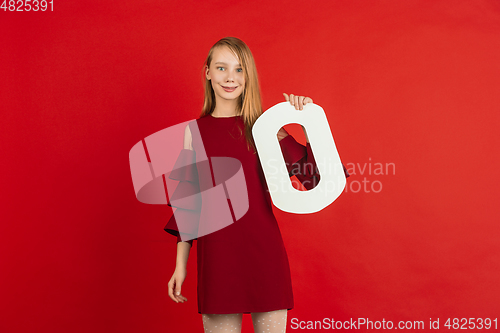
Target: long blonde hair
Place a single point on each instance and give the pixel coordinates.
(249, 106)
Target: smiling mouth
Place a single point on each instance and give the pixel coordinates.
(229, 89)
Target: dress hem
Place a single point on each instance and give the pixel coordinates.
(247, 312)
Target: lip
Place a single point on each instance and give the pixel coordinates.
(229, 89)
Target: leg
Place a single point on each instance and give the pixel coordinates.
(222, 323)
(269, 322)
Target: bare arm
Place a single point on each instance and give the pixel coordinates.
(183, 249)
(188, 140)
(305, 133)
(283, 134)
(298, 102)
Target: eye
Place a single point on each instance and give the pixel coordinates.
(220, 68)
(239, 70)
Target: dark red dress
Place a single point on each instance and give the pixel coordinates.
(243, 267)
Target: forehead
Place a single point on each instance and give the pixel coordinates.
(225, 55)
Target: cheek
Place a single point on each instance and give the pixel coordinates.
(216, 76)
(214, 85)
(214, 79)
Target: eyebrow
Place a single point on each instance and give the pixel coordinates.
(223, 63)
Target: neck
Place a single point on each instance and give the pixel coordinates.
(225, 108)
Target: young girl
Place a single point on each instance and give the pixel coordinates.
(242, 268)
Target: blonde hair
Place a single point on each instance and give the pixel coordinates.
(249, 106)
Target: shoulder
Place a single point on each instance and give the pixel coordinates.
(188, 139)
(190, 128)
(204, 117)
(193, 127)
(195, 122)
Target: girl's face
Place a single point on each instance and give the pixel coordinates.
(225, 74)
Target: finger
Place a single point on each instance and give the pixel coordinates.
(180, 299)
(308, 100)
(177, 291)
(171, 291)
(172, 295)
(286, 97)
(292, 99)
(296, 102)
(301, 102)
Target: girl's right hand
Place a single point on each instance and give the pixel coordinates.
(298, 101)
(175, 283)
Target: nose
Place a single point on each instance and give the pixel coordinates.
(229, 77)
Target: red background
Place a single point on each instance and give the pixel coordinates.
(414, 83)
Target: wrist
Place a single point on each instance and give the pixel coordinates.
(180, 267)
(282, 134)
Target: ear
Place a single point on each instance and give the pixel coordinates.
(207, 72)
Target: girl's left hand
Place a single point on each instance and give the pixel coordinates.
(298, 101)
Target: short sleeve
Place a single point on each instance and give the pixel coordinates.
(186, 198)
